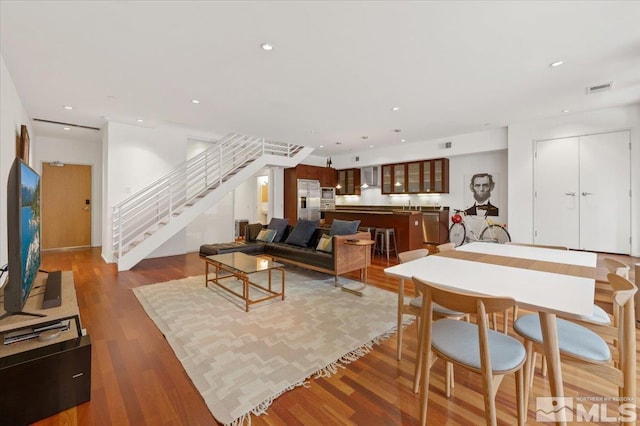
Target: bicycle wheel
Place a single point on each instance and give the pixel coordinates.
(457, 234)
(495, 233)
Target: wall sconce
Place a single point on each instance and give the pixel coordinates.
(397, 183)
(338, 186)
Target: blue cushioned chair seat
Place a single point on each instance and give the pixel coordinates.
(416, 302)
(573, 339)
(458, 340)
(599, 316)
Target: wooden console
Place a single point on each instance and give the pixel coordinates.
(40, 379)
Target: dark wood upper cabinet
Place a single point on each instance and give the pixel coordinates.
(427, 176)
(349, 182)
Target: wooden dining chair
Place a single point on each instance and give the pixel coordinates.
(472, 346)
(619, 268)
(414, 307)
(446, 247)
(583, 344)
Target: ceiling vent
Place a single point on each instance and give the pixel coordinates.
(600, 88)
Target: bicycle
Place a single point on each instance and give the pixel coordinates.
(491, 232)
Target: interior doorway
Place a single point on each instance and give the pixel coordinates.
(263, 199)
(66, 205)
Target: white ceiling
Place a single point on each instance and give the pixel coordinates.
(337, 68)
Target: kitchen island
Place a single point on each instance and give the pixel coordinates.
(407, 223)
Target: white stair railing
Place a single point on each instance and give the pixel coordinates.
(141, 214)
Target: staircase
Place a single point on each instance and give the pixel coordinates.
(148, 218)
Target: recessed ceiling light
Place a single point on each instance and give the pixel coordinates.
(140, 120)
(68, 107)
(66, 128)
(313, 131)
(365, 137)
(403, 140)
(556, 64)
(266, 46)
(321, 146)
(397, 130)
(395, 109)
(338, 143)
(195, 101)
(370, 146)
(565, 110)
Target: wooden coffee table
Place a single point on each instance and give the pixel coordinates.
(239, 266)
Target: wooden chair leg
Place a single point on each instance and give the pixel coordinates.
(529, 367)
(520, 394)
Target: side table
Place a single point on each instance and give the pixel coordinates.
(366, 246)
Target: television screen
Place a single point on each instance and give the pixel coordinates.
(23, 234)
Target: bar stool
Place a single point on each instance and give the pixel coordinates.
(383, 238)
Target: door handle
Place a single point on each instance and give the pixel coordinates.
(85, 208)
(584, 194)
(573, 194)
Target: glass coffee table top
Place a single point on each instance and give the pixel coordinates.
(245, 263)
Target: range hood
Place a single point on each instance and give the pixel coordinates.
(369, 176)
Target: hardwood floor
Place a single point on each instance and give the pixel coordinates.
(137, 380)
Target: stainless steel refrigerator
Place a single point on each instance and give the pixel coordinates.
(308, 199)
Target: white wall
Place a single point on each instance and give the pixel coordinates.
(521, 141)
(135, 157)
(12, 116)
(86, 153)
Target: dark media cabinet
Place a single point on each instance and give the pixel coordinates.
(39, 379)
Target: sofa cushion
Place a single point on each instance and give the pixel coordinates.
(242, 246)
(266, 235)
(280, 225)
(306, 256)
(302, 232)
(325, 244)
(252, 230)
(344, 227)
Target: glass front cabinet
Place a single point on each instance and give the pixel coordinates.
(349, 181)
(419, 177)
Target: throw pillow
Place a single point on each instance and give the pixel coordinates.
(302, 232)
(344, 227)
(252, 231)
(280, 225)
(325, 244)
(266, 235)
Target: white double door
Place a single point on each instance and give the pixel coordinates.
(582, 192)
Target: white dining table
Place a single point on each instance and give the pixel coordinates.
(545, 280)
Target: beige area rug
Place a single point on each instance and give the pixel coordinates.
(241, 361)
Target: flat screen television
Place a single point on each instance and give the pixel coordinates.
(23, 235)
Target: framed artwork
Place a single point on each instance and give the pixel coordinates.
(22, 149)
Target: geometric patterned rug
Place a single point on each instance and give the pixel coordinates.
(241, 361)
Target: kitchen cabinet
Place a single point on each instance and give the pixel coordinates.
(349, 181)
(394, 178)
(427, 176)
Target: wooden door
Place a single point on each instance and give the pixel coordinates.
(66, 205)
(556, 193)
(605, 193)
